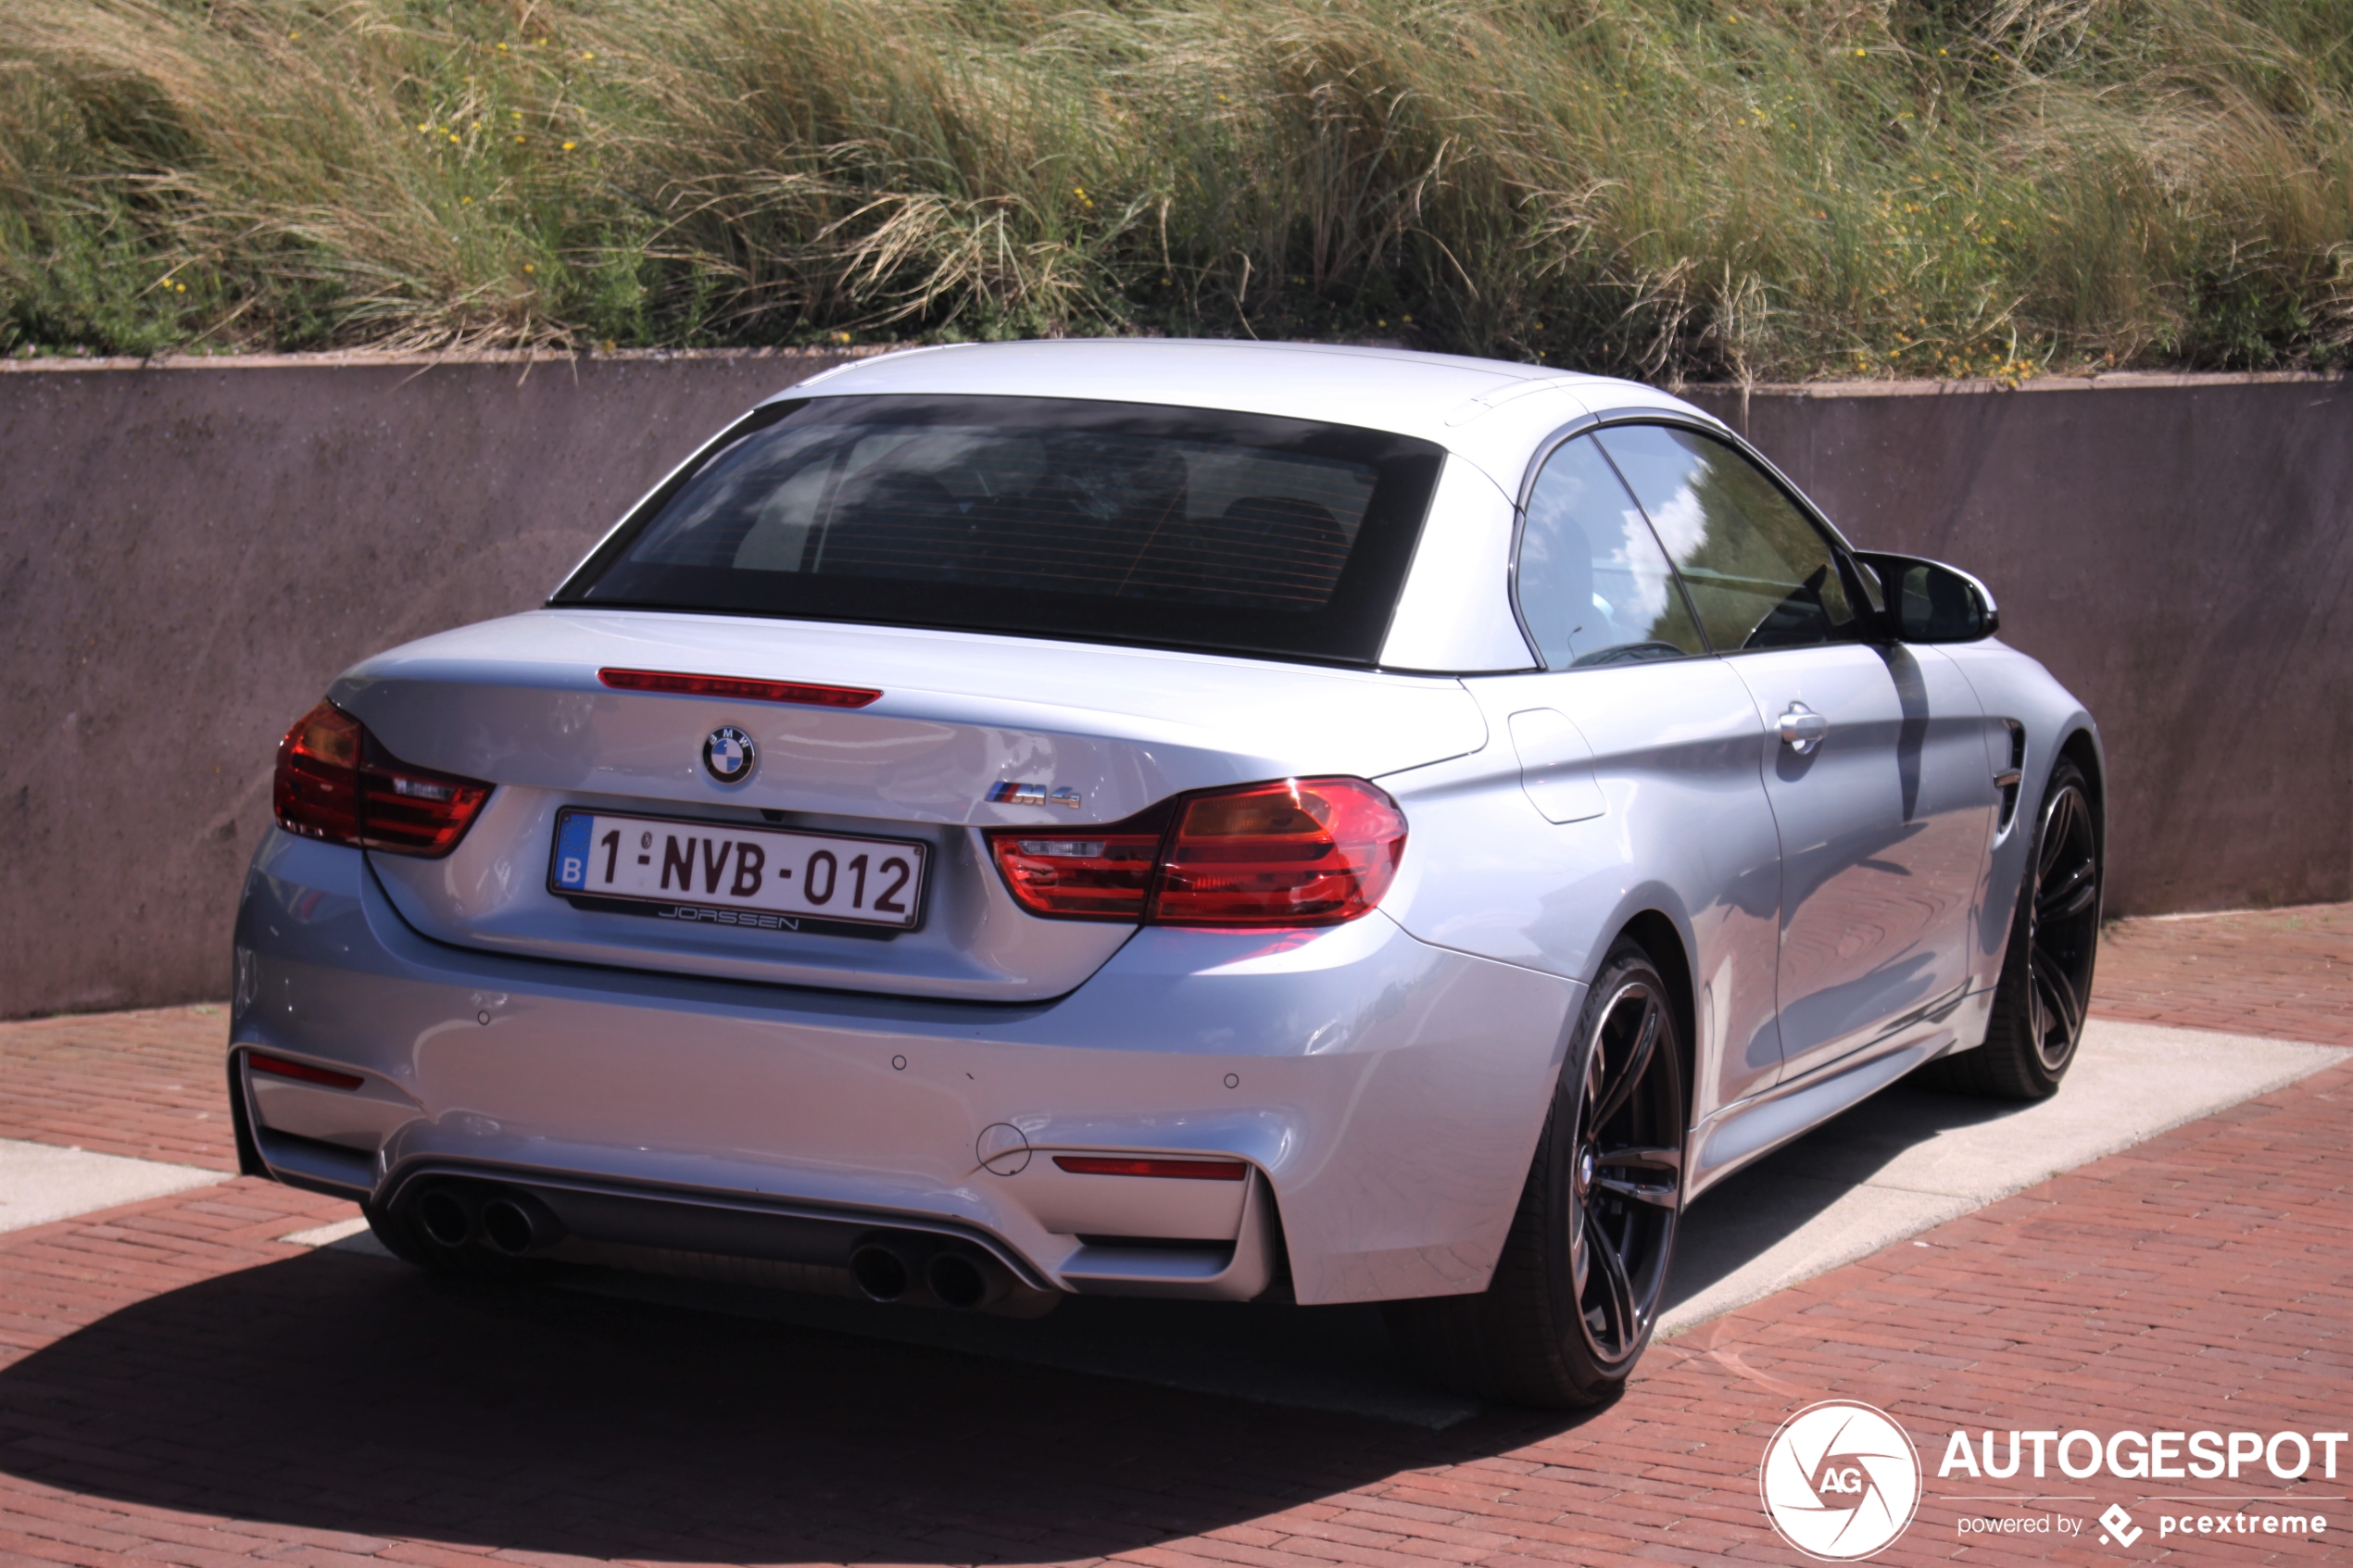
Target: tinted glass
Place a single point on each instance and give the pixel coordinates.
(1594, 587)
(1759, 574)
(1040, 517)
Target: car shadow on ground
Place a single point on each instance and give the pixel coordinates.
(1734, 1224)
(619, 1417)
(355, 1395)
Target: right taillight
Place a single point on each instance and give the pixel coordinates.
(1300, 852)
(1291, 853)
(335, 783)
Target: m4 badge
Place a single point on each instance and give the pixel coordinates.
(1032, 794)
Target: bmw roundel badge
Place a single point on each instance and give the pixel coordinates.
(729, 753)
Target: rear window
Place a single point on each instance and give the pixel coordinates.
(1040, 517)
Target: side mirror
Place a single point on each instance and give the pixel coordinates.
(1930, 602)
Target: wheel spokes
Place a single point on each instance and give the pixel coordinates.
(1623, 1081)
(1618, 1298)
(2055, 992)
(1659, 1194)
(1627, 1175)
(2058, 830)
(2069, 896)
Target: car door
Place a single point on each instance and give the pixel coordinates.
(1873, 756)
(1639, 750)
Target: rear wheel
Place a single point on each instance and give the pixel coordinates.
(2045, 986)
(1576, 1290)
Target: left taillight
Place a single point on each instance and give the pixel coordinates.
(1290, 853)
(335, 783)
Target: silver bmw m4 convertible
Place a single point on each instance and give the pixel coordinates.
(1230, 821)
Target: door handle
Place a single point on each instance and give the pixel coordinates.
(1802, 729)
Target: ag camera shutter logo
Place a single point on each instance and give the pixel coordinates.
(1840, 1480)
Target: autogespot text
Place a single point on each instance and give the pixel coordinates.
(2147, 1456)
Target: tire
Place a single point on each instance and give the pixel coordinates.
(1576, 1291)
(2046, 972)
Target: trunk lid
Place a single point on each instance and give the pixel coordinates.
(518, 703)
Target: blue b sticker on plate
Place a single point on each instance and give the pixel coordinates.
(571, 850)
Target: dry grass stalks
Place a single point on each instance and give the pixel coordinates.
(1673, 188)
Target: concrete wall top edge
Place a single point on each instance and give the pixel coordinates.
(360, 360)
(2106, 381)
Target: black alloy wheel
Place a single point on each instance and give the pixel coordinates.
(1577, 1289)
(1627, 1175)
(2045, 986)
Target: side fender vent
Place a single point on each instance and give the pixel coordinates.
(2012, 778)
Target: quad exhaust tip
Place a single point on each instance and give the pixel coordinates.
(446, 1218)
(956, 1280)
(513, 1224)
(887, 1269)
(881, 1272)
(887, 1266)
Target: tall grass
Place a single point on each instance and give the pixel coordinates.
(1673, 188)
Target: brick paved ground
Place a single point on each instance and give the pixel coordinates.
(2287, 974)
(176, 1386)
(150, 1085)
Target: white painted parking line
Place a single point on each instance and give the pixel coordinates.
(1910, 1160)
(328, 1234)
(41, 1183)
(350, 1235)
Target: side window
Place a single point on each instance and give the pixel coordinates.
(1594, 587)
(1759, 574)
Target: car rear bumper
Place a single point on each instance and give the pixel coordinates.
(1385, 1094)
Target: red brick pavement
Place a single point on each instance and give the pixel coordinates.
(2287, 974)
(176, 1386)
(150, 1085)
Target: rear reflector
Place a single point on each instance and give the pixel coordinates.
(735, 686)
(279, 1067)
(335, 783)
(1117, 1165)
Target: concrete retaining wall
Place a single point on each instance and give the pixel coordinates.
(2178, 550)
(188, 555)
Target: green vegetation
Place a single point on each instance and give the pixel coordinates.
(1672, 188)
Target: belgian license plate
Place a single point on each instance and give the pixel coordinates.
(725, 873)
